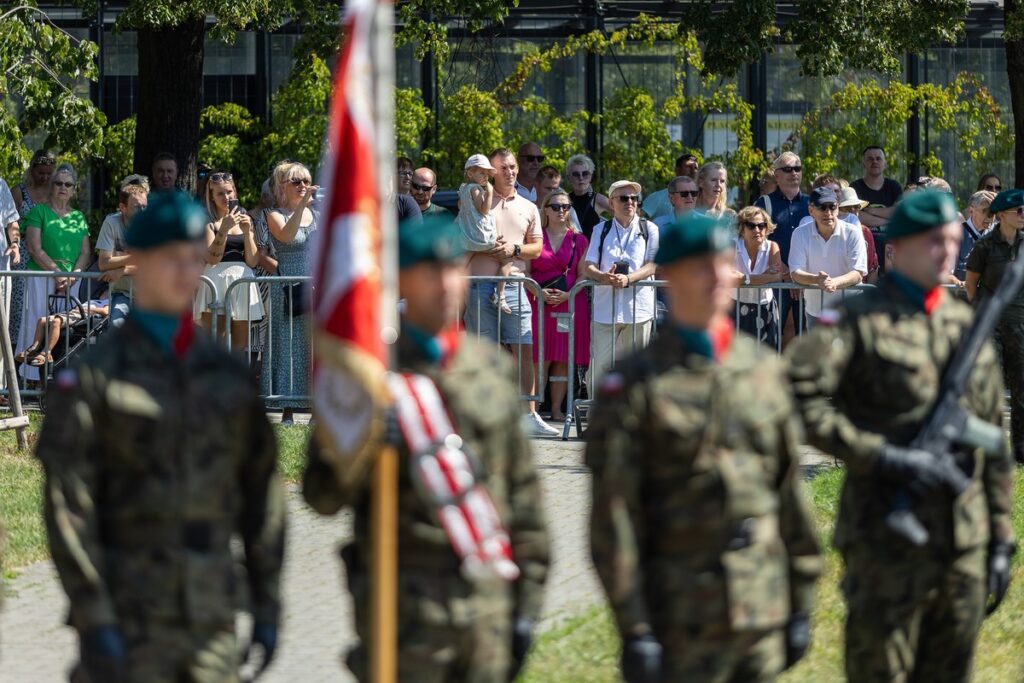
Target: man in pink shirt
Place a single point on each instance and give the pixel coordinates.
(519, 240)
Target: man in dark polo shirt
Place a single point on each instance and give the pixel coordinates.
(879, 192)
(787, 206)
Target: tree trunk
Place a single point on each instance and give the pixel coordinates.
(170, 97)
(1015, 71)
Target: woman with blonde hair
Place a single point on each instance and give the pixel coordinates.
(291, 226)
(712, 189)
(231, 256)
(758, 263)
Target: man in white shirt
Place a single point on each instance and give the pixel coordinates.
(621, 254)
(828, 254)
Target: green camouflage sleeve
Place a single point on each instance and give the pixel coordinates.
(818, 362)
(527, 528)
(262, 522)
(67, 450)
(617, 530)
(320, 486)
(999, 470)
(796, 522)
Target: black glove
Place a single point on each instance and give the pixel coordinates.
(998, 574)
(798, 638)
(913, 466)
(522, 638)
(641, 660)
(104, 656)
(264, 639)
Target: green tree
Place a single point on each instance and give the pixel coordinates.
(44, 74)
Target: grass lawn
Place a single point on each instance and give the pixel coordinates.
(20, 491)
(586, 648)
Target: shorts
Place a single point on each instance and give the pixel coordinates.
(483, 319)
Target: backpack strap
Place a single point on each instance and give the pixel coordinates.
(605, 229)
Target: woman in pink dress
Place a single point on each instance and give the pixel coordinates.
(557, 269)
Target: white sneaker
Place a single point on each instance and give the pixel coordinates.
(533, 425)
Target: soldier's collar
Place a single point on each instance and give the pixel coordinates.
(437, 349)
(926, 301)
(712, 343)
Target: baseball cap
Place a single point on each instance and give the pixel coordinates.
(618, 184)
(478, 161)
(824, 195)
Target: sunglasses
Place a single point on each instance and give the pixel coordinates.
(1020, 210)
(685, 193)
(539, 158)
(299, 182)
(582, 175)
(560, 208)
(994, 188)
(221, 177)
(63, 183)
(627, 198)
(416, 187)
(755, 226)
(791, 169)
(828, 208)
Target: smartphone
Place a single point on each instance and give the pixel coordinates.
(232, 204)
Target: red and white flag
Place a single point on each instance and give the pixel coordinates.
(351, 276)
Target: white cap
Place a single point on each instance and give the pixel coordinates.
(478, 161)
(624, 183)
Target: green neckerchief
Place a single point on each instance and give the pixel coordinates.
(913, 291)
(695, 341)
(160, 327)
(428, 344)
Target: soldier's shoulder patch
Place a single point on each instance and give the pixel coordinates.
(66, 380)
(830, 317)
(612, 384)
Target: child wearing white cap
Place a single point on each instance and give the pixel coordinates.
(479, 231)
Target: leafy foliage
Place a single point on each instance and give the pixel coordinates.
(421, 24)
(472, 124)
(44, 74)
(413, 120)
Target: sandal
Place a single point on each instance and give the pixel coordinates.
(27, 353)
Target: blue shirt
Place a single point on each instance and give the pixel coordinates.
(786, 215)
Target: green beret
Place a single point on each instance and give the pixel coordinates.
(1007, 199)
(170, 217)
(695, 234)
(434, 240)
(921, 211)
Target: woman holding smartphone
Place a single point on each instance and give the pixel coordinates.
(231, 256)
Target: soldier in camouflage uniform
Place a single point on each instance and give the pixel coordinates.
(866, 380)
(700, 533)
(156, 451)
(450, 629)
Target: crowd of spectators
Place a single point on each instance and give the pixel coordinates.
(528, 218)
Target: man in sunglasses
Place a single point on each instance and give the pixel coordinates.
(828, 254)
(787, 206)
(658, 205)
(423, 187)
(879, 192)
(682, 196)
(530, 158)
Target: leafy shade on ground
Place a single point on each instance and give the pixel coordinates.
(586, 648)
(21, 500)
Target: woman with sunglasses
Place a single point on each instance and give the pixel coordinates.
(232, 254)
(556, 270)
(758, 263)
(989, 182)
(992, 253)
(57, 238)
(587, 204)
(291, 226)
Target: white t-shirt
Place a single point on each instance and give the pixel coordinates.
(810, 252)
(629, 245)
(111, 238)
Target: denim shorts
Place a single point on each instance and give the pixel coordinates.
(484, 319)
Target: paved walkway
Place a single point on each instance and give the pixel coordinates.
(35, 647)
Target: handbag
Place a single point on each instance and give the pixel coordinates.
(560, 282)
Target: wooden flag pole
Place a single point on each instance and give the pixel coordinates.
(384, 504)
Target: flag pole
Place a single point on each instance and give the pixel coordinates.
(384, 503)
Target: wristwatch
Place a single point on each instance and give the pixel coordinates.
(516, 250)
(746, 280)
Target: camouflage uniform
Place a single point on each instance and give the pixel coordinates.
(450, 629)
(870, 377)
(989, 258)
(700, 533)
(152, 464)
